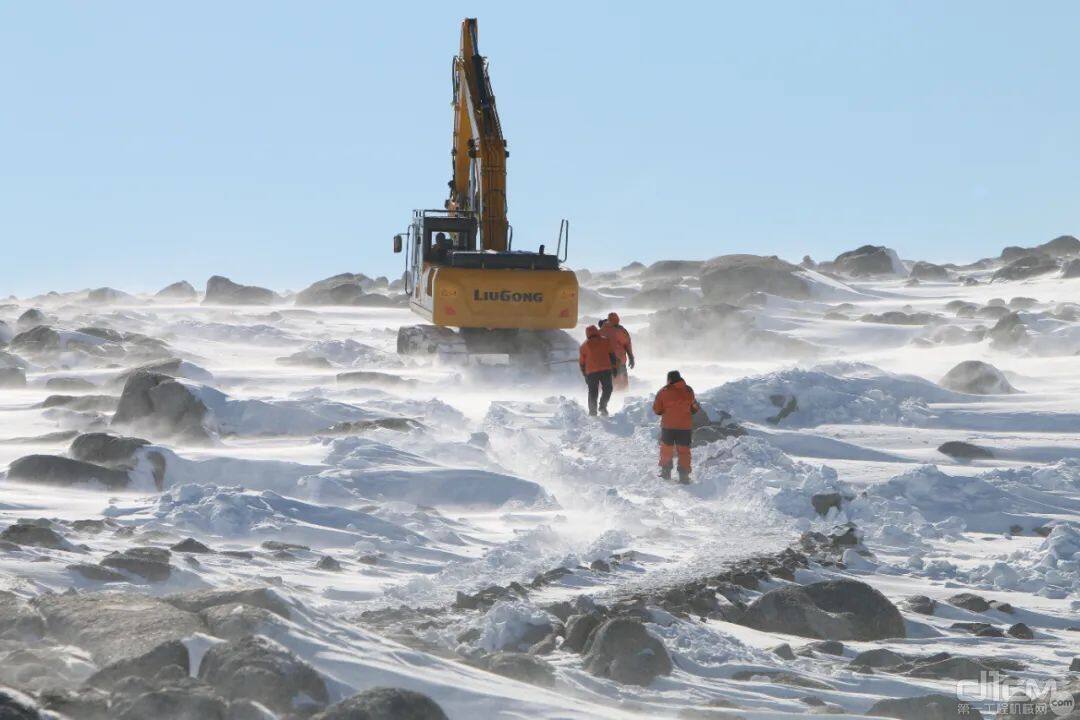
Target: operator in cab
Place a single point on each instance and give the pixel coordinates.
(440, 249)
(619, 337)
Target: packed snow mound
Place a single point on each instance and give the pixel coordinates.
(230, 416)
(379, 471)
(978, 378)
(832, 393)
(232, 512)
(257, 334)
(353, 354)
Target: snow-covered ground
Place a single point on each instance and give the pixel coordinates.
(381, 506)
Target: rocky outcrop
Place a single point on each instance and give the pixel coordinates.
(161, 406)
(1025, 267)
(1071, 269)
(223, 291)
(107, 296)
(729, 277)
(182, 290)
(832, 610)
(869, 260)
(149, 563)
(624, 651)
(1061, 246)
(168, 654)
(384, 703)
(257, 668)
(977, 378)
(926, 707)
(199, 600)
(91, 621)
(928, 271)
(343, 289)
(521, 666)
(35, 534)
(964, 451)
(57, 470)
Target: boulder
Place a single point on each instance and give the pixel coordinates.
(223, 291)
(190, 546)
(187, 701)
(199, 600)
(147, 562)
(182, 290)
(1021, 632)
(34, 535)
(729, 277)
(578, 630)
(926, 707)
(173, 367)
(964, 451)
(106, 449)
(56, 470)
(1071, 269)
(97, 573)
(1009, 332)
(257, 668)
(92, 621)
(970, 601)
(107, 296)
(146, 666)
(928, 271)
(18, 621)
(624, 651)
(521, 666)
(162, 406)
(16, 706)
(831, 610)
(869, 260)
(951, 668)
(1025, 267)
(237, 621)
(343, 289)
(31, 318)
(12, 378)
(384, 703)
(895, 317)
(878, 658)
(38, 339)
(977, 378)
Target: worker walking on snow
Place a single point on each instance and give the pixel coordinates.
(597, 361)
(619, 337)
(676, 406)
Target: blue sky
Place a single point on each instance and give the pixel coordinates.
(282, 142)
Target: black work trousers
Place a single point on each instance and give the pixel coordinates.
(599, 384)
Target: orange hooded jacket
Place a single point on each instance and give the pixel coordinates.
(596, 354)
(676, 405)
(619, 338)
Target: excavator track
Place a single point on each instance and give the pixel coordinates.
(525, 348)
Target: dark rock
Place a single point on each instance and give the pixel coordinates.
(343, 289)
(107, 450)
(16, 706)
(172, 703)
(729, 277)
(223, 291)
(91, 621)
(600, 566)
(784, 651)
(926, 707)
(521, 666)
(328, 563)
(146, 666)
(823, 502)
(237, 621)
(35, 536)
(12, 378)
(191, 545)
(97, 573)
(578, 630)
(182, 290)
(980, 629)
(782, 677)
(261, 597)
(1009, 332)
(1071, 269)
(57, 470)
(928, 271)
(832, 610)
(895, 317)
(69, 384)
(1074, 666)
(867, 260)
(147, 562)
(383, 703)
(80, 704)
(161, 406)
(624, 651)
(878, 658)
(921, 604)
(964, 451)
(1003, 606)
(1021, 631)
(970, 601)
(38, 339)
(82, 403)
(1025, 267)
(828, 647)
(257, 668)
(952, 668)
(18, 621)
(29, 319)
(977, 378)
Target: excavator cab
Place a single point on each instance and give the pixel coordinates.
(462, 275)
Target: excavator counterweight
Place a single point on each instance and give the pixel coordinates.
(462, 274)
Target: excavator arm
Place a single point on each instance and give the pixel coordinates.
(479, 152)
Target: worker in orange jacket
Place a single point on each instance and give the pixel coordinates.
(597, 361)
(619, 337)
(676, 406)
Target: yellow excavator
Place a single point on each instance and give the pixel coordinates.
(482, 297)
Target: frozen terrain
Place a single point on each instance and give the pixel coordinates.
(471, 534)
